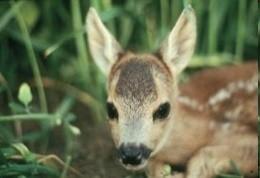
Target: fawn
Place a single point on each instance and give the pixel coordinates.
(200, 128)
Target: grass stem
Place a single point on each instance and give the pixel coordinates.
(240, 29)
(80, 40)
(27, 117)
(33, 60)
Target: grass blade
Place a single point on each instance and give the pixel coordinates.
(241, 29)
(9, 15)
(80, 40)
(33, 60)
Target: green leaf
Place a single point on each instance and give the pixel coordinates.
(74, 130)
(21, 148)
(25, 94)
(167, 170)
(16, 107)
(30, 13)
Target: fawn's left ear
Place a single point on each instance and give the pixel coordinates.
(103, 46)
(178, 47)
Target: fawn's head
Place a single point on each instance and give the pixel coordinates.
(141, 87)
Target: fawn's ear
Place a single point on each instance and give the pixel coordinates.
(103, 46)
(178, 47)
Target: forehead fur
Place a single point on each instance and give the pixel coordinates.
(136, 80)
(136, 77)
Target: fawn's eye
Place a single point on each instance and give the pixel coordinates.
(162, 112)
(111, 111)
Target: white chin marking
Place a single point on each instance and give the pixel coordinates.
(135, 168)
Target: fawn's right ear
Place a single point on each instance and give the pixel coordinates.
(178, 47)
(103, 46)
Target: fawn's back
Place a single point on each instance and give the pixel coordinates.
(228, 94)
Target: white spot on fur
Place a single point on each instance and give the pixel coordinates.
(225, 93)
(221, 95)
(226, 126)
(190, 102)
(234, 114)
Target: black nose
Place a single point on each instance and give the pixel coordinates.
(132, 154)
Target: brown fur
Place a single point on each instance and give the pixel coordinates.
(243, 103)
(212, 119)
(195, 131)
(136, 80)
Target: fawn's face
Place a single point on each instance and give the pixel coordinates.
(141, 88)
(139, 106)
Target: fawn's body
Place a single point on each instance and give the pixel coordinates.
(215, 124)
(210, 122)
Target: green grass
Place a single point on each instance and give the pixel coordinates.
(43, 41)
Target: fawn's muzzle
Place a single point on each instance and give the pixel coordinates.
(133, 155)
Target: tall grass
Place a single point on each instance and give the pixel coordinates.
(45, 42)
